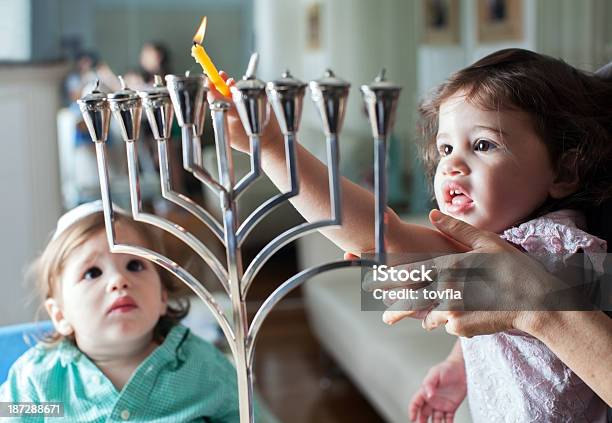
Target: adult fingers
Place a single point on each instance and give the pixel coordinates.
(434, 319)
(392, 317)
(462, 232)
(416, 303)
(473, 323)
(449, 417)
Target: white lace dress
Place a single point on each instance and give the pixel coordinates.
(512, 376)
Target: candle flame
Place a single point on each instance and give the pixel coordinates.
(199, 36)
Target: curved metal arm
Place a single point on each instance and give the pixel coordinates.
(182, 200)
(286, 287)
(380, 193)
(164, 224)
(261, 211)
(333, 158)
(276, 244)
(196, 148)
(189, 164)
(255, 171)
(157, 258)
(188, 279)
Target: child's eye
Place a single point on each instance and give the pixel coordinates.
(135, 265)
(92, 273)
(484, 145)
(445, 149)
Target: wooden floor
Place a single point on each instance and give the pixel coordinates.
(297, 380)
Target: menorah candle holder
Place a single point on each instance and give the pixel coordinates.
(185, 97)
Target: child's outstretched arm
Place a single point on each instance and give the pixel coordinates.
(357, 232)
(442, 391)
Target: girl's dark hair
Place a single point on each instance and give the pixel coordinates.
(571, 112)
(46, 271)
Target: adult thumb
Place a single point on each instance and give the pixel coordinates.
(462, 232)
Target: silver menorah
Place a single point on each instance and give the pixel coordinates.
(185, 96)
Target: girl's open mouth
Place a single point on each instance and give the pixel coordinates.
(456, 198)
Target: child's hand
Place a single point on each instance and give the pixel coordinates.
(440, 394)
(238, 138)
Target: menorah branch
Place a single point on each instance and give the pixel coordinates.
(255, 172)
(182, 200)
(268, 206)
(285, 288)
(190, 165)
(276, 244)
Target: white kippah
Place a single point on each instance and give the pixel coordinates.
(74, 215)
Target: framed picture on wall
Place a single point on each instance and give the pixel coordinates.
(500, 20)
(440, 21)
(313, 26)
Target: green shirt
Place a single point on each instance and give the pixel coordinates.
(185, 379)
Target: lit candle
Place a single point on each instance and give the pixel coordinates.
(200, 55)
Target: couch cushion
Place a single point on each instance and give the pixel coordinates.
(387, 363)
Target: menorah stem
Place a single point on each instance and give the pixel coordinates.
(196, 146)
(105, 194)
(188, 160)
(291, 162)
(225, 162)
(180, 199)
(234, 258)
(265, 208)
(380, 193)
(234, 265)
(333, 165)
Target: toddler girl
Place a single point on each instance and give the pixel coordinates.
(118, 352)
(519, 144)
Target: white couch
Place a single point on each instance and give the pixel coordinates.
(386, 363)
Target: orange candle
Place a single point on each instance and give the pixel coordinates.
(200, 55)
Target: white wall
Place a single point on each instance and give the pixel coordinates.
(29, 179)
(577, 31)
(359, 37)
(15, 33)
(437, 62)
(29, 30)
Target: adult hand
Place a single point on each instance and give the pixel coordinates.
(518, 279)
(581, 339)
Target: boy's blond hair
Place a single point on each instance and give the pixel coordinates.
(47, 269)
